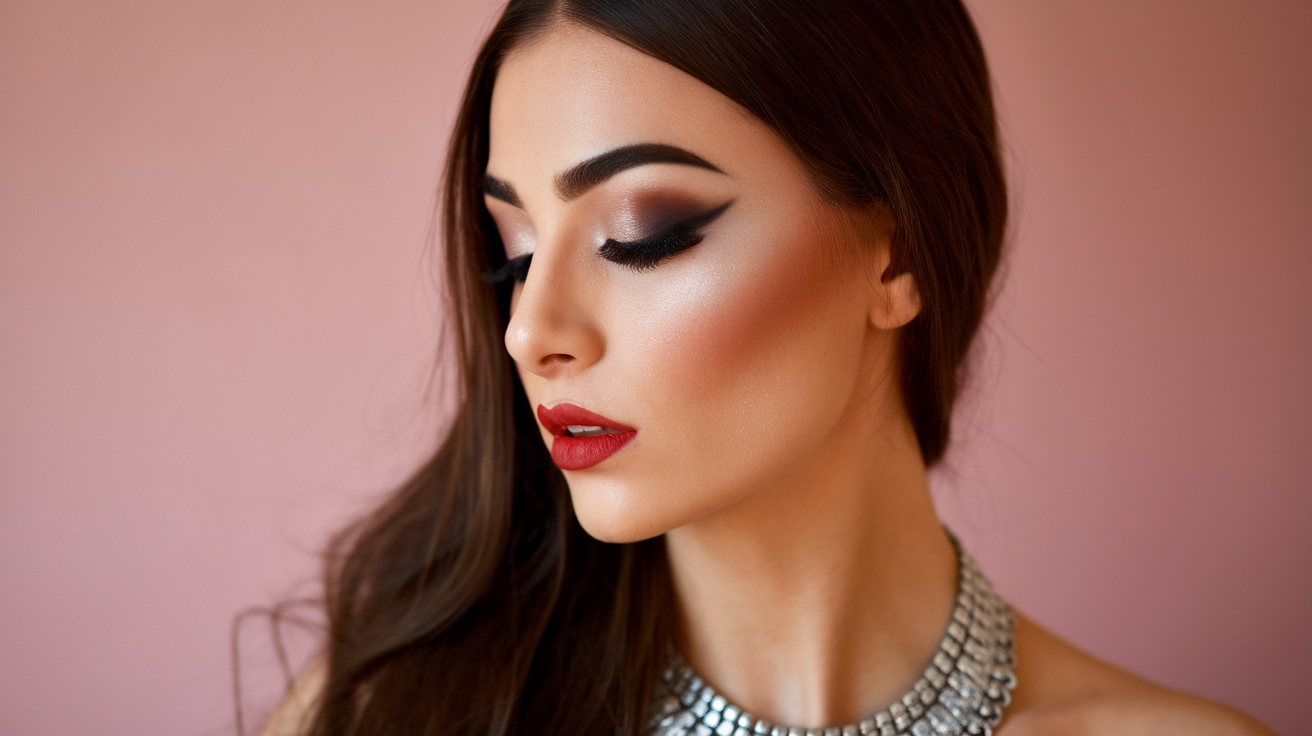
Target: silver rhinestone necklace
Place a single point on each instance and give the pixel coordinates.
(963, 690)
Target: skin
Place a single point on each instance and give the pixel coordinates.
(760, 370)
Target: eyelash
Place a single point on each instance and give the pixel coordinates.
(639, 255)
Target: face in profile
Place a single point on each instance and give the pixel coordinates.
(696, 326)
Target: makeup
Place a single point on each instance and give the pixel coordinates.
(515, 269)
(582, 439)
(676, 238)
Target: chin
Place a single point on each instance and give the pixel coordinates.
(617, 512)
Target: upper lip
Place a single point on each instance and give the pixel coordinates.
(559, 417)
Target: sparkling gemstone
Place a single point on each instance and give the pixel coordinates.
(921, 728)
(943, 662)
(977, 650)
(712, 719)
(943, 721)
(954, 702)
(972, 669)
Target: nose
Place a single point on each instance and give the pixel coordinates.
(553, 329)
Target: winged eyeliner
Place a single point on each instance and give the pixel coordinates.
(639, 255)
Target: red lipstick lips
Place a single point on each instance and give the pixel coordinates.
(581, 438)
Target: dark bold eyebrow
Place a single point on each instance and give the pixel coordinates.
(497, 189)
(579, 179)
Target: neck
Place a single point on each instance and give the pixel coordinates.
(820, 599)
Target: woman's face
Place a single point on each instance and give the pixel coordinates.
(694, 310)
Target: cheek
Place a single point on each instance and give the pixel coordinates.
(744, 365)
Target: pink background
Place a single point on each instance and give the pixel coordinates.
(218, 328)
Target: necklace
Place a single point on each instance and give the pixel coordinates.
(963, 690)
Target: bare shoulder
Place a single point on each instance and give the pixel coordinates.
(1063, 690)
(292, 717)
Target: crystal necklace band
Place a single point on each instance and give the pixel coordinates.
(963, 690)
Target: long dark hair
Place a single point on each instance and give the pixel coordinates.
(472, 602)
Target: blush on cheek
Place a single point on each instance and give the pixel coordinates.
(746, 366)
(746, 326)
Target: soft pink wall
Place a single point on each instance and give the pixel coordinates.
(216, 332)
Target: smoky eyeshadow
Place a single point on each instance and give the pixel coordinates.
(663, 226)
(651, 217)
(650, 251)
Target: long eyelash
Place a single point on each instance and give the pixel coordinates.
(641, 255)
(515, 268)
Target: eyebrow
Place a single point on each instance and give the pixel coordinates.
(497, 189)
(573, 183)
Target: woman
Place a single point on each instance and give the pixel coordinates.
(715, 267)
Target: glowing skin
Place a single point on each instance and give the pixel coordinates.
(758, 369)
(758, 372)
(756, 366)
(740, 361)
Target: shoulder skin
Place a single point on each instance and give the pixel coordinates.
(1064, 692)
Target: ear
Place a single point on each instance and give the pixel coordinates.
(894, 299)
(899, 302)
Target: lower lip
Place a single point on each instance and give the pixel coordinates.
(580, 453)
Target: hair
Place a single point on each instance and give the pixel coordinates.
(471, 601)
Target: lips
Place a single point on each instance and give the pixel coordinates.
(582, 439)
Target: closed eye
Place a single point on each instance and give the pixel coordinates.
(641, 255)
(515, 268)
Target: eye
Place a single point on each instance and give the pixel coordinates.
(515, 268)
(641, 255)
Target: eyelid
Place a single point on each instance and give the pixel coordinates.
(515, 269)
(649, 251)
(695, 222)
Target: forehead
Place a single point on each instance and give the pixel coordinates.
(574, 93)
